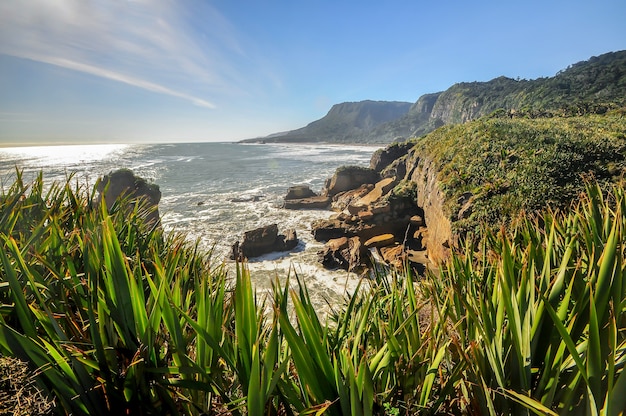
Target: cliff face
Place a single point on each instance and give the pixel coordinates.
(344, 123)
(403, 162)
(430, 199)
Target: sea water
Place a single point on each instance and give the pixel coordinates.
(203, 186)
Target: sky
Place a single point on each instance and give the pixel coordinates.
(121, 71)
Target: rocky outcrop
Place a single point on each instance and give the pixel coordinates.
(397, 219)
(123, 186)
(314, 202)
(302, 197)
(299, 192)
(372, 217)
(263, 240)
(348, 178)
(253, 198)
(384, 157)
(342, 253)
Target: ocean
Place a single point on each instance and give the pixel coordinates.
(200, 184)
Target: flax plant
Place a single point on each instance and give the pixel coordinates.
(541, 312)
(117, 317)
(96, 302)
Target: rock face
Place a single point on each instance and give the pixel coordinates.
(263, 240)
(122, 184)
(302, 197)
(430, 197)
(348, 178)
(388, 155)
(386, 122)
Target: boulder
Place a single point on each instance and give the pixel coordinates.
(299, 192)
(263, 240)
(123, 185)
(342, 253)
(347, 178)
(287, 241)
(394, 256)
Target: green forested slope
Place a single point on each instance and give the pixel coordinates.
(591, 86)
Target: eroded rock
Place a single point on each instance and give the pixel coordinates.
(348, 178)
(299, 192)
(263, 240)
(342, 253)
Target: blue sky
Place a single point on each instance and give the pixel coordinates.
(93, 71)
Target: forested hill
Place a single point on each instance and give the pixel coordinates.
(343, 122)
(590, 86)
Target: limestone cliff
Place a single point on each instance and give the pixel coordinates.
(430, 198)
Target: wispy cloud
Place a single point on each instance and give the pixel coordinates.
(157, 45)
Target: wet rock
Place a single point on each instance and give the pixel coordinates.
(263, 240)
(342, 253)
(123, 185)
(299, 192)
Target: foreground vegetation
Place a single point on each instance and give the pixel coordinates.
(114, 317)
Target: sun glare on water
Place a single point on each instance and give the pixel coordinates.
(61, 155)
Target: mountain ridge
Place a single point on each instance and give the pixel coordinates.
(589, 86)
(343, 121)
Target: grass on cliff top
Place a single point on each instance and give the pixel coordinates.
(514, 165)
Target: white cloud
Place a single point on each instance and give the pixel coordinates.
(150, 44)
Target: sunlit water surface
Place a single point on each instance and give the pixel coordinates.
(199, 182)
